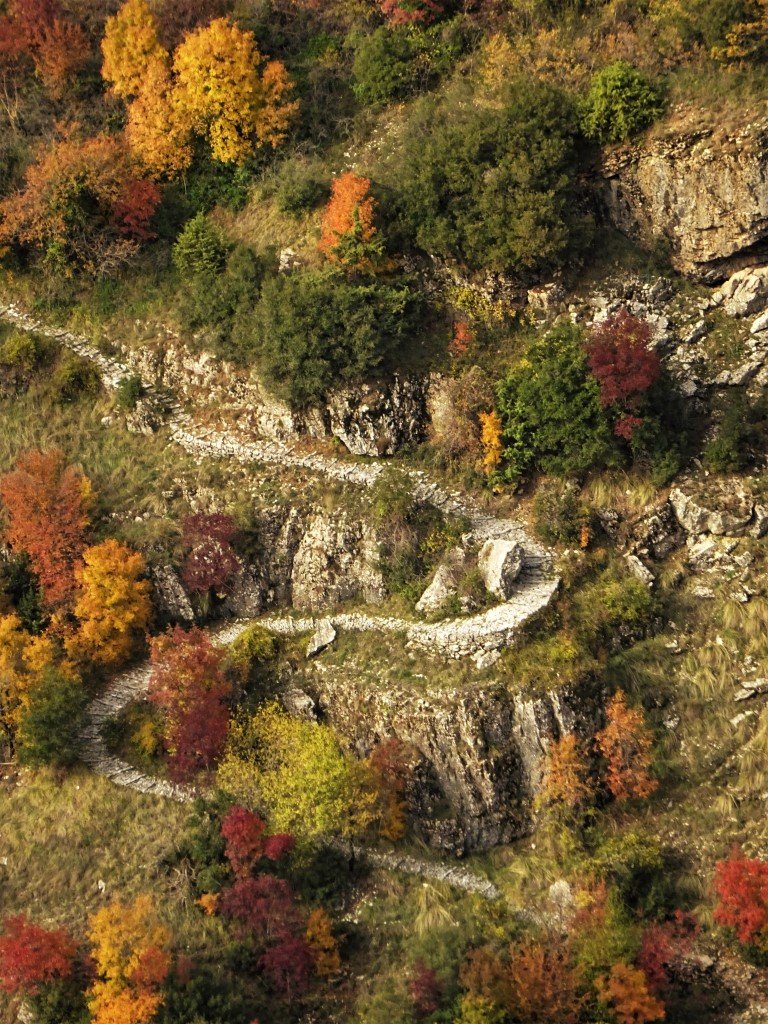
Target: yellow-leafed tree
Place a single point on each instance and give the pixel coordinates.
(157, 133)
(226, 96)
(113, 608)
(131, 48)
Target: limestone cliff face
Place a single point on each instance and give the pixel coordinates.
(480, 750)
(375, 419)
(703, 189)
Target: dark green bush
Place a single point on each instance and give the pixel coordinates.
(129, 391)
(75, 378)
(552, 419)
(621, 102)
(51, 723)
(494, 188)
(743, 427)
(20, 584)
(316, 329)
(200, 250)
(393, 63)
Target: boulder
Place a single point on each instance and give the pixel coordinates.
(500, 562)
(443, 585)
(724, 510)
(323, 637)
(745, 292)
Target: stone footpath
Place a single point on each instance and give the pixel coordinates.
(478, 635)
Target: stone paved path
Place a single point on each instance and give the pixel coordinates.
(474, 635)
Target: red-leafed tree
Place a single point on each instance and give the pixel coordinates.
(289, 965)
(741, 886)
(663, 945)
(31, 956)
(46, 502)
(57, 47)
(624, 367)
(134, 210)
(263, 908)
(410, 12)
(189, 685)
(246, 843)
(425, 990)
(210, 562)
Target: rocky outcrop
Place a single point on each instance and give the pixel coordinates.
(721, 508)
(374, 419)
(481, 749)
(700, 188)
(500, 562)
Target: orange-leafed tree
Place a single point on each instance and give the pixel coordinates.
(47, 505)
(625, 990)
(626, 743)
(157, 132)
(323, 944)
(113, 607)
(228, 95)
(412, 12)
(132, 960)
(130, 48)
(540, 984)
(490, 439)
(349, 234)
(566, 774)
(66, 209)
(56, 46)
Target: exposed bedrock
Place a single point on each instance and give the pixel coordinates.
(699, 187)
(374, 418)
(479, 750)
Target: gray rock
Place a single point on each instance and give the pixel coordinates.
(724, 509)
(323, 637)
(500, 562)
(443, 585)
(170, 598)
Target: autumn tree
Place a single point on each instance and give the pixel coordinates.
(24, 659)
(113, 607)
(741, 887)
(625, 990)
(322, 943)
(188, 683)
(210, 562)
(47, 504)
(566, 774)
(247, 841)
(349, 234)
(38, 29)
(132, 961)
(32, 956)
(425, 990)
(131, 48)
(288, 965)
(387, 763)
(624, 366)
(411, 12)
(226, 94)
(158, 133)
(663, 946)
(67, 208)
(626, 744)
(491, 441)
(263, 908)
(298, 771)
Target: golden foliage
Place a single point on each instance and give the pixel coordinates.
(113, 608)
(324, 946)
(157, 133)
(490, 438)
(220, 90)
(626, 991)
(566, 774)
(131, 48)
